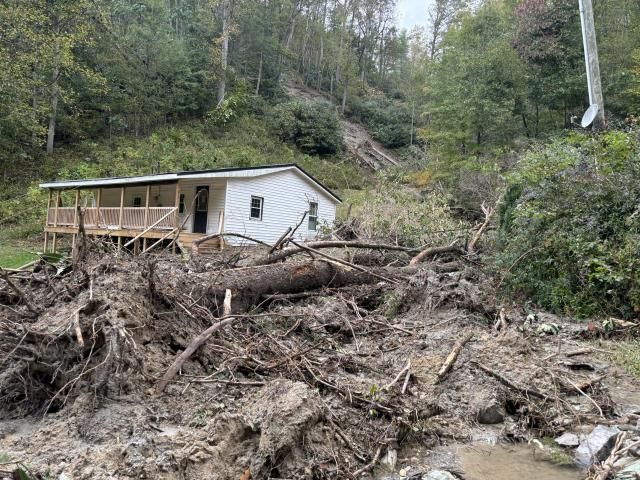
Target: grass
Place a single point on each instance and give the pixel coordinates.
(627, 355)
(15, 252)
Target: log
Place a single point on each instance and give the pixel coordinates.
(250, 285)
(283, 254)
(452, 357)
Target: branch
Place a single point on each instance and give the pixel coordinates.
(431, 251)
(192, 347)
(488, 214)
(452, 357)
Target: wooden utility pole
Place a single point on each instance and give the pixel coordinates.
(591, 61)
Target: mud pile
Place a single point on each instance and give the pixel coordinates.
(334, 382)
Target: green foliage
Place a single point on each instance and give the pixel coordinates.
(392, 210)
(388, 121)
(570, 225)
(313, 127)
(627, 355)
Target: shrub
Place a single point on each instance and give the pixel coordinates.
(395, 212)
(313, 127)
(570, 223)
(389, 122)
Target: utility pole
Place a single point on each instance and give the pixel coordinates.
(591, 61)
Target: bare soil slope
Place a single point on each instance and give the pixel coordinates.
(358, 141)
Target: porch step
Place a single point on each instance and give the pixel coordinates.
(185, 240)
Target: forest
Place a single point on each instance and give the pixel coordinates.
(474, 305)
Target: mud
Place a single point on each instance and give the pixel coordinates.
(301, 387)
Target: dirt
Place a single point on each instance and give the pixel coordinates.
(367, 151)
(297, 388)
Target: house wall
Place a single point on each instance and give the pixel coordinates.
(286, 197)
(217, 189)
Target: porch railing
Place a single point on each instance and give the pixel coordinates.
(109, 217)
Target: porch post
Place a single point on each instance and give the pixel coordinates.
(48, 207)
(176, 217)
(75, 211)
(75, 219)
(98, 201)
(146, 207)
(121, 208)
(46, 223)
(146, 216)
(55, 213)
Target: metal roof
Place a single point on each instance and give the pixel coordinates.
(174, 177)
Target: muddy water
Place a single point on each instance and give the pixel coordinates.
(511, 462)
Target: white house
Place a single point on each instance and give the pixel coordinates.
(260, 202)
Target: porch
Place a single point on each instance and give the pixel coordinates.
(135, 216)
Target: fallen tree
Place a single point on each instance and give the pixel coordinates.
(249, 284)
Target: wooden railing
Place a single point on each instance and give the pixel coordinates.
(109, 217)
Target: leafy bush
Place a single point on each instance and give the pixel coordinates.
(313, 127)
(389, 122)
(570, 225)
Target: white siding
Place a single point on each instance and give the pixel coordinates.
(286, 197)
(217, 189)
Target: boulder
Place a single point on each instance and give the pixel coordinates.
(568, 440)
(596, 446)
(438, 475)
(490, 413)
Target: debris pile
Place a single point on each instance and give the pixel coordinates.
(304, 366)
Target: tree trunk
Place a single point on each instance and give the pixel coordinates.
(54, 96)
(224, 50)
(259, 75)
(344, 94)
(251, 284)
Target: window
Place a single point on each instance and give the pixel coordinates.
(181, 204)
(313, 215)
(202, 205)
(256, 207)
(137, 201)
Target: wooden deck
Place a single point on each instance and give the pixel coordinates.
(130, 225)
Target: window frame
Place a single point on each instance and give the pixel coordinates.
(251, 207)
(313, 216)
(181, 203)
(137, 201)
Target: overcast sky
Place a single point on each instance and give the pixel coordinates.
(412, 12)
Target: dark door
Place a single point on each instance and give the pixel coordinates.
(202, 210)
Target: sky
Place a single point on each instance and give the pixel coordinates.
(411, 12)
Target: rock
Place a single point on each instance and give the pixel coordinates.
(597, 445)
(568, 440)
(490, 413)
(629, 472)
(438, 475)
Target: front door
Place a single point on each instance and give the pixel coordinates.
(202, 210)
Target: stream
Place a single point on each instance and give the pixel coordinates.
(509, 462)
